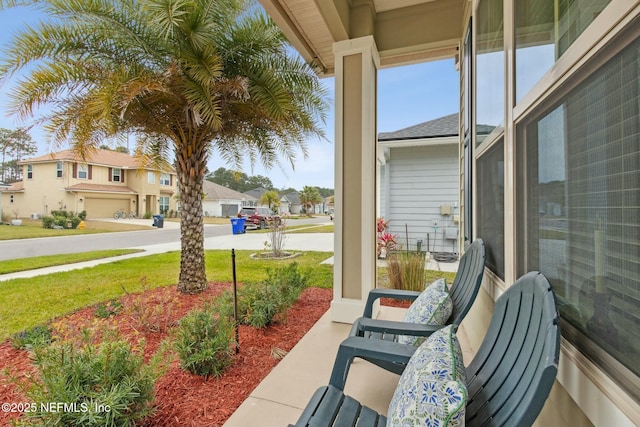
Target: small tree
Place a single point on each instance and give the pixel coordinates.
(271, 199)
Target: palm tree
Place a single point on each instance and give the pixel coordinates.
(195, 78)
(310, 196)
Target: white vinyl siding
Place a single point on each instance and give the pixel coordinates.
(421, 179)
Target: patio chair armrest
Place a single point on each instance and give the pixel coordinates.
(366, 349)
(388, 327)
(375, 294)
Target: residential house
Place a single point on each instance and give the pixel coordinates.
(100, 185)
(551, 185)
(290, 203)
(221, 201)
(419, 184)
(254, 196)
(3, 186)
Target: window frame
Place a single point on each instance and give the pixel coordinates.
(165, 179)
(151, 177)
(164, 207)
(29, 171)
(624, 378)
(116, 173)
(59, 169)
(83, 168)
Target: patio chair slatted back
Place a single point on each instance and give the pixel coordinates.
(513, 371)
(466, 284)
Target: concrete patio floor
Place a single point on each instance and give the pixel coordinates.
(280, 398)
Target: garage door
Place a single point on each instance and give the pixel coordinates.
(104, 208)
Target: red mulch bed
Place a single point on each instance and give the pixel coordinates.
(184, 399)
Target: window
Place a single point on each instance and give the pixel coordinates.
(163, 202)
(151, 177)
(490, 78)
(116, 175)
(59, 170)
(165, 179)
(83, 171)
(544, 31)
(580, 195)
(29, 171)
(490, 205)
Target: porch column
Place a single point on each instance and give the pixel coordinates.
(356, 65)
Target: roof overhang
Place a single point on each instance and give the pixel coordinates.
(384, 147)
(420, 142)
(99, 188)
(405, 31)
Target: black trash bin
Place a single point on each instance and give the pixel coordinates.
(158, 221)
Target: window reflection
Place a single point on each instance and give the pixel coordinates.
(489, 68)
(581, 199)
(544, 31)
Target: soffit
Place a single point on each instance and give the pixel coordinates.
(405, 31)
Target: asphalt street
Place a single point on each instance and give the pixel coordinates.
(170, 234)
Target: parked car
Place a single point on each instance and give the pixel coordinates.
(257, 217)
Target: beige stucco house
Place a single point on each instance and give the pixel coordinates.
(100, 185)
(549, 180)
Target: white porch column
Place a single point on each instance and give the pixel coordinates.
(357, 62)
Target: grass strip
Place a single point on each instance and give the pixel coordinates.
(23, 264)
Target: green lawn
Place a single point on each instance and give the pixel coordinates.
(33, 228)
(22, 264)
(25, 303)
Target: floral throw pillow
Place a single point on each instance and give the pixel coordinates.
(432, 307)
(431, 390)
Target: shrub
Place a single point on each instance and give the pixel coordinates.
(82, 215)
(106, 384)
(151, 314)
(61, 218)
(108, 309)
(48, 222)
(406, 270)
(264, 303)
(203, 340)
(31, 338)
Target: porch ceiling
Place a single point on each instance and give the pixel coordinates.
(405, 31)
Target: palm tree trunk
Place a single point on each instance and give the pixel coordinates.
(191, 168)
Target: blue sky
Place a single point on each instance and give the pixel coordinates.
(406, 96)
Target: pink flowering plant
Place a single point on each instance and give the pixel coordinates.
(386, 241)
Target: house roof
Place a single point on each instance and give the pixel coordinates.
(215, 191)
(437, 128)
(256, 192)
(100, 188)
(99, 157)
(16, 186)
(293, 198)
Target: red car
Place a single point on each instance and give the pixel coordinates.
(257, 217)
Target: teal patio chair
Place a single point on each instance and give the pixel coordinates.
(507, 382)
(463, 292)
